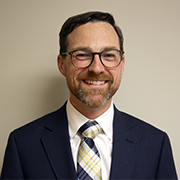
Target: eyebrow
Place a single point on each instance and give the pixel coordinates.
(86, 48)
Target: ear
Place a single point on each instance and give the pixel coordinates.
(122, 63)
(61, 65)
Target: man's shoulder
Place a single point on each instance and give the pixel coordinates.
(36, 126)
(137, 125)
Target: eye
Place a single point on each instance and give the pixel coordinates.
(108, 56)
(82, 55)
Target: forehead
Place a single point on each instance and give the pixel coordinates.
(94, 36)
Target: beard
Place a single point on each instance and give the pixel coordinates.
(100, 97)
(92, 97)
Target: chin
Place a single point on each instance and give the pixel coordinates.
(95, 102)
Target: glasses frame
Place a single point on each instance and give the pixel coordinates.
(93, 54)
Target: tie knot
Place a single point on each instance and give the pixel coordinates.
(90, 129)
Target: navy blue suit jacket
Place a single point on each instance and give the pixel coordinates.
(41, 150)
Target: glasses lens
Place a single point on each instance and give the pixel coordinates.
(81, 58)
(111, 58)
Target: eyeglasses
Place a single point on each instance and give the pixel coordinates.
(84, 58)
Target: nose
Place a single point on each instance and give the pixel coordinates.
(96, 66)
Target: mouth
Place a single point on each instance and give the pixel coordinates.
(95, 82)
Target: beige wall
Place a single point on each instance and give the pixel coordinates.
(31, 86)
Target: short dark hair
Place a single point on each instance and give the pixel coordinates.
(75, 21)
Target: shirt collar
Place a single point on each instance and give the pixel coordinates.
(76, 120)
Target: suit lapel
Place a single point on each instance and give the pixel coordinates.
(125, 144)
(57, 146)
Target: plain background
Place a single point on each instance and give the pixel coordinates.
(31, 85)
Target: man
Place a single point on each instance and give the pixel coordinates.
(54, 147)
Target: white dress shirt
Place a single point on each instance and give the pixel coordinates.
(103, 140)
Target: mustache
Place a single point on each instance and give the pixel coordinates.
(91, 75)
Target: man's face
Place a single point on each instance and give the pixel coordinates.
(96, 84)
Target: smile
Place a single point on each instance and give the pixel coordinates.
(94, 82)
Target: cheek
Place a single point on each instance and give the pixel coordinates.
(117, 80)
(72, 74)
(116, 74)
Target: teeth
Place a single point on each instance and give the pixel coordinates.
(94, 82)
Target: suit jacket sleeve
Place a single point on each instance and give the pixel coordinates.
(12, 168)
(166, 168)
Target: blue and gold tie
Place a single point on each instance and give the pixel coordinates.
(88, 162)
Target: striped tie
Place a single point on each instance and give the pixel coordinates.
(88, 162)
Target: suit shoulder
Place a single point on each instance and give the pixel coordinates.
(138, 126)
(38, 125)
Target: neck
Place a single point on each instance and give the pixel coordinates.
(90, 113)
